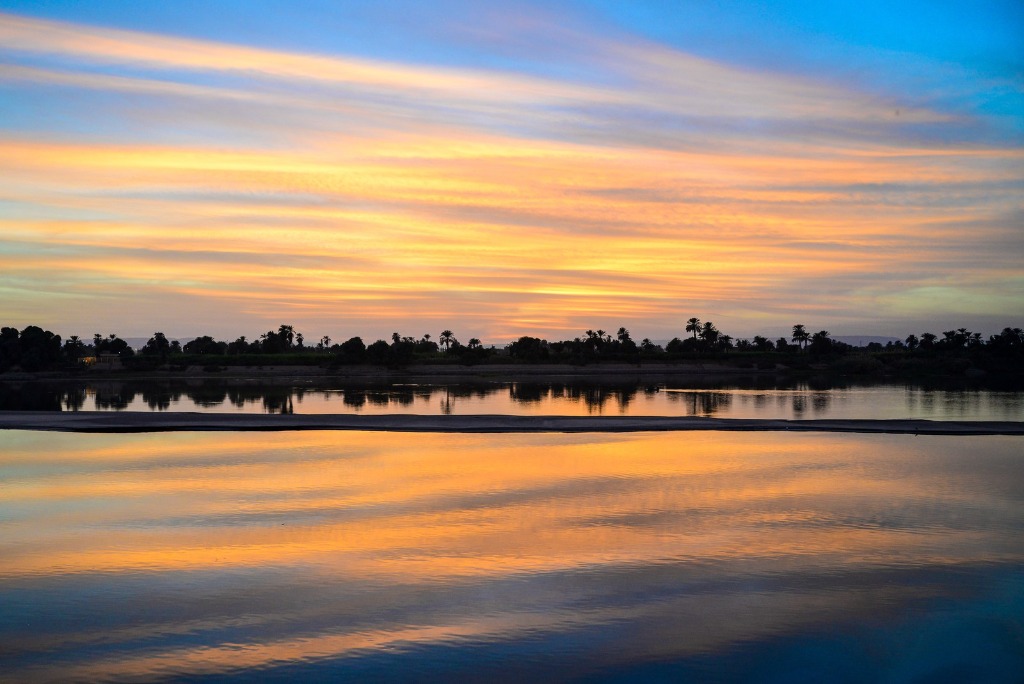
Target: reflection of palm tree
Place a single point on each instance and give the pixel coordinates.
(693, 325)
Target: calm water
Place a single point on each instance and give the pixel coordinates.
(787, 401)
(352, 556)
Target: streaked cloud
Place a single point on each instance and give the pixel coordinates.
(316, 189)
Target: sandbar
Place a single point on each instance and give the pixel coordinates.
(142, 421)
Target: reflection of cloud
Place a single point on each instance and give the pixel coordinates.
(507, 202)
(132, 549)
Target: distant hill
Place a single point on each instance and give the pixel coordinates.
(865, 340)
(137, 342)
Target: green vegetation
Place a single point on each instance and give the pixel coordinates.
(956, 353)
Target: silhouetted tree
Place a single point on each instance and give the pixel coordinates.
(112, 344)
(626, 343)
(33, 349)
(287, 334)
(693, 326)
(74, 349)
(529, 349)
(158, 345)
(378, 352)
(446, 339)
(675, 346)
(709, 335)
(800, 335)
(239, 346)
(205, 345)
(821, 343)
(425, 346)
(353, 350)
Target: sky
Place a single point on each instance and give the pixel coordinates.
(502, 169)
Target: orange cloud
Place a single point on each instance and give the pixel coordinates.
(497, 199)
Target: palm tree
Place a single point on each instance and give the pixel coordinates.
(446, 339)
(623, 335)
(800, 336)
(709, 333)
(693, 325)
(287, 334)
(911, 341)
(474, 342)
(73, 348)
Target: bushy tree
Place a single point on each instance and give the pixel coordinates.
(158, 345)
(529, 349)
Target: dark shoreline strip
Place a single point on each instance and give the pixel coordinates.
(126, 421)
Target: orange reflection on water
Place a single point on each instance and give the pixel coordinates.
(293, 546)
(413, 506)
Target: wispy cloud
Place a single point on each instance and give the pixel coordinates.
(293, 186)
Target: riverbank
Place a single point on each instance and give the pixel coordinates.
(448, 373)
(133, 421)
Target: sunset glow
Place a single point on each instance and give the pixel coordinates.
(510, 171)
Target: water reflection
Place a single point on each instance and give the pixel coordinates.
(437, 557)
(727, 400)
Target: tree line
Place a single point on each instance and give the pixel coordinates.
(34, 348)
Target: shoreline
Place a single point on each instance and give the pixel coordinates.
(137, 421)
(507, 372)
